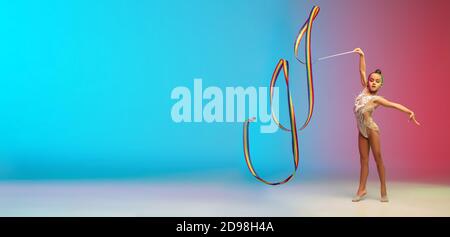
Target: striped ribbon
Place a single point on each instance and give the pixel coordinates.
(284, 65)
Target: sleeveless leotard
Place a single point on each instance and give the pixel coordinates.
(363, 109)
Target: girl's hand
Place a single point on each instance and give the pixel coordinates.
(413, 117)
(359, 51)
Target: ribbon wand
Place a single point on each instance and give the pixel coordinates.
(334, 55)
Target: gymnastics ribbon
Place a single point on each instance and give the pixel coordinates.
(283, 64)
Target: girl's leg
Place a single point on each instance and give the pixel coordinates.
(374, 141)
(364, 149)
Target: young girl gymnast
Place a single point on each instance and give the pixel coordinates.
(369, 133)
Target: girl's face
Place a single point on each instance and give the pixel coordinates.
(374, 82)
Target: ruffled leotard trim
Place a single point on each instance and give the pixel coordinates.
(363, 110)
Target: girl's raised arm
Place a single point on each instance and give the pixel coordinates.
(362, 66)
(389, 104)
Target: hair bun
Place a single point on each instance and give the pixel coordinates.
(378, 71)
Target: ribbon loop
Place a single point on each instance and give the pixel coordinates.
(284, 65)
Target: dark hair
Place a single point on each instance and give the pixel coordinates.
(378, 71)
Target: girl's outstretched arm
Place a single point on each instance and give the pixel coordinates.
(389, 104)
(362, 66)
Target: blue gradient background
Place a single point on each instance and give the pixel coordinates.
(86, 84)
(85, 88)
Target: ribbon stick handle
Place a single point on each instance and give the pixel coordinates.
(334, 55)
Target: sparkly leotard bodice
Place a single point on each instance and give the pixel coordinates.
(363, 109)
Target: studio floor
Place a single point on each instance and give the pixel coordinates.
(150, 198)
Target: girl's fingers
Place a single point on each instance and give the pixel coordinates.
(412, 117)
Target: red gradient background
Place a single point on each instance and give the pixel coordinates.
(410, 42)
